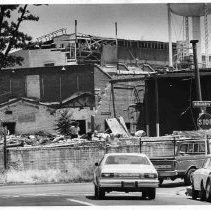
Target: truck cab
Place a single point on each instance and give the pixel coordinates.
(188, 156)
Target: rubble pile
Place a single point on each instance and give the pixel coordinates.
(42, 138)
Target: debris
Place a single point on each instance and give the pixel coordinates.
(140, 133)
(58, 138)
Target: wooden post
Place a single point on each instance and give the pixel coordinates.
(5, 147)
(117, 63)
(92, 123)
(76, 39)
(140, 146)
(60, 87)
(157, 108)
(113, 99)
(146, 107)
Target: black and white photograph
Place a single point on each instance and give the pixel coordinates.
(105, 104)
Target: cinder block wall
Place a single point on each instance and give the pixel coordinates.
(63, 157)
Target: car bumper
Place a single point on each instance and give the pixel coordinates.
(115, 183)
(167, 173)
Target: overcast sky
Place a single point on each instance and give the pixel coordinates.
(139, 21)
(135, 21)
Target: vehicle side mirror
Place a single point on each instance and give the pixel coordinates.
(181, 153)
(96, 164)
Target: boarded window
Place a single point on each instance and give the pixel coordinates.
(33, 86)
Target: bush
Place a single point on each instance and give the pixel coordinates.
(35, 176)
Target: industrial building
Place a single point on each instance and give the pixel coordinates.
(151, 84)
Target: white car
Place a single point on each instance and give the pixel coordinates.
(126, 172)
(201, 181)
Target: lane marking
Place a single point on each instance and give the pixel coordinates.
(81, 202)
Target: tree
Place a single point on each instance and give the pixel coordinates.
(10, 35)
(64, 123)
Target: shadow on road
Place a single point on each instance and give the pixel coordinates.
(172, 184)
(112, 197)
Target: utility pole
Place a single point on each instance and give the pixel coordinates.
(117, 64)
(196, 72)
(76, 40)
(157, 108)
(170, 37)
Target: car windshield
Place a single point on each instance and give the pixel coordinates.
(126, 159)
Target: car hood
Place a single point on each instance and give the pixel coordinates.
(124, 168)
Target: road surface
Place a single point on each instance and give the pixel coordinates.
(82, 194)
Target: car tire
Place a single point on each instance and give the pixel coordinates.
(152, 193)
(202, 193)
(195, 193)
(160, 181)
(96, 192)
(101, 193)
(144, 194)
(208, 191)
(188, 178)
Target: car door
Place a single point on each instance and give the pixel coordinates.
(206, 172)
(190, 154)
(200, 175)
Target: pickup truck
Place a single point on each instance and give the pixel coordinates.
(188, 155)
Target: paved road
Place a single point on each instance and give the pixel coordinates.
(81, 194)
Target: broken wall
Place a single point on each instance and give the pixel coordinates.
(125, 99)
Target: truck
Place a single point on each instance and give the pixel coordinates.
(188, 155)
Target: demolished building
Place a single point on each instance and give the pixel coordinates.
(49, 82)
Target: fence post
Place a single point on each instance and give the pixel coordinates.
(140, 145)
(5, 147)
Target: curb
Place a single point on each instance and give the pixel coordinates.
(41, 183)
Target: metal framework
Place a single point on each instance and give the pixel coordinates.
(206, 36)
(187, 39)
(49, 36)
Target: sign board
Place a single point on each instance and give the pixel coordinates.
(204, 121)
(105, 113)
(201, 103)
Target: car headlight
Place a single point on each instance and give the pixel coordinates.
(150, 175)
(107, 175)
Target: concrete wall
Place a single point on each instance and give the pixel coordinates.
(40, 57)
(25, 55)
(61, 157)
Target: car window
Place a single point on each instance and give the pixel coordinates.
(196, 148)
(201, 148)
(183, 148)
(190, 148)
(127, 159)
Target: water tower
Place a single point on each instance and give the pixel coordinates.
(194, 11)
